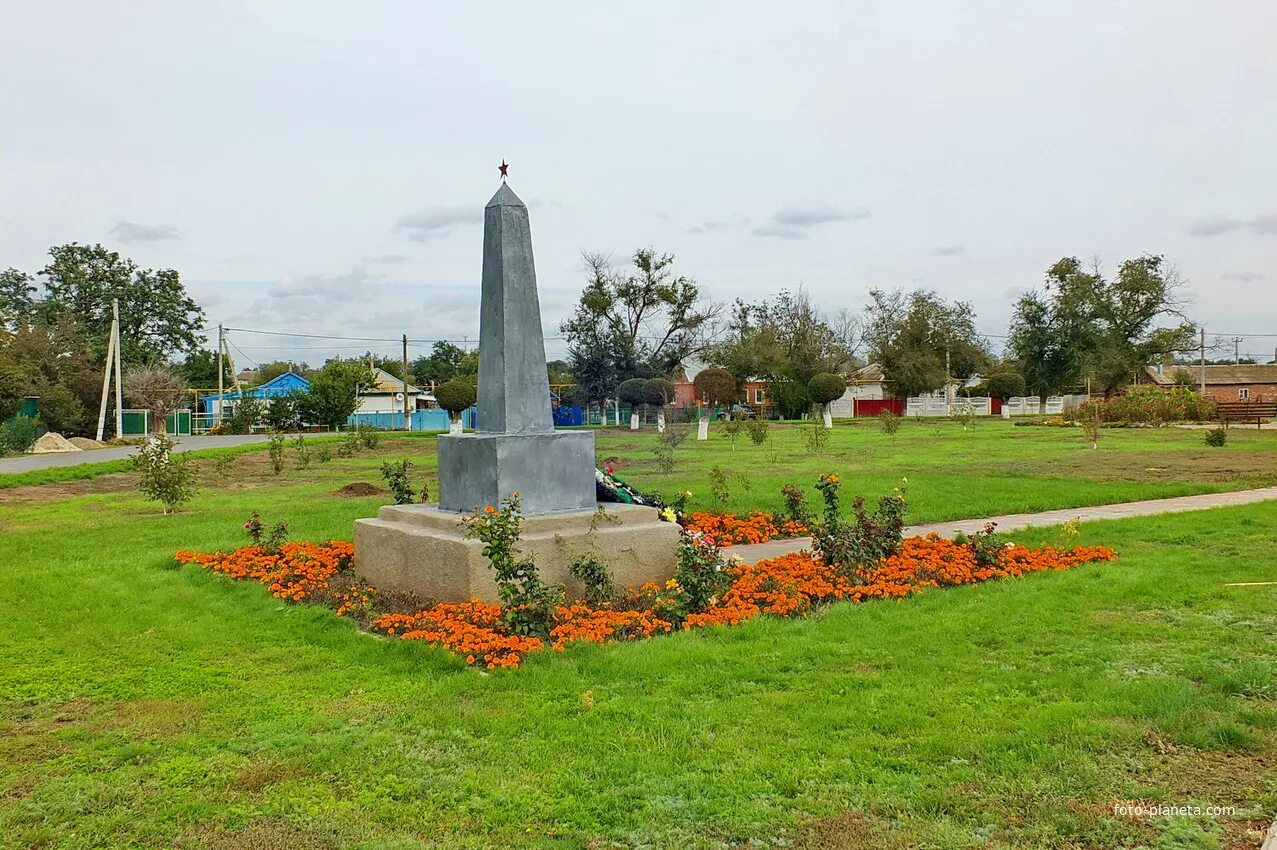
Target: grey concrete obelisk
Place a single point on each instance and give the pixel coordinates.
(515, 446)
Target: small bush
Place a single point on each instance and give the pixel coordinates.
(595, 577)
(854, 547)
(795, 509)
(666, 443)
(19, 434)
(245, 413)
(986, 546)
(815, 437)
(223, 464)
(826, 387)
(889, 422)
(323, 454)
(302, 451)
(731, 430)
(278, 443)
(759, 429)
(1216, 437)
(528, 604)
(964, 414)
(399, 481)
(270, 539)
(367, 436)
(166, 476)
(1145, 405)
(456, 395)
(719, 486)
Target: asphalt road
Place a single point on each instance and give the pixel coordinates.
(30, 463)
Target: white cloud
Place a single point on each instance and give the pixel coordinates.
(794, 219)
(1264, 225)
(131, 231)
(434, 222)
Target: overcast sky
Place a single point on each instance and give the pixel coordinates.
(322, 167)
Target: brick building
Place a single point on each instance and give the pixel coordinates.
(1241, 382)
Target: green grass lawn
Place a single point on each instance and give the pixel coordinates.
(993, 468)
(143, 705)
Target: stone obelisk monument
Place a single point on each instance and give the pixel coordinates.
(423, 549)
(515, 446)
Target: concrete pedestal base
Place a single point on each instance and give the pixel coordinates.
(421, 549)
(553, 471)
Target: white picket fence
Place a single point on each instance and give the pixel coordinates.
(1055, 405)
(982, 405)
(937, 406)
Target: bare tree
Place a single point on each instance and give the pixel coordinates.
(156, 388)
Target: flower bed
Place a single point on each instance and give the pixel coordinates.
(732, 530)
(792, 585)
(296, 571)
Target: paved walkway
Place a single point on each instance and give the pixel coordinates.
(1014, 522)
(30, 463)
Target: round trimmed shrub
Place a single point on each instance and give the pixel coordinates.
(456, 395)
(826, 387)
(658, 392)
(1005, 384)
(715, 386)
(632, 392)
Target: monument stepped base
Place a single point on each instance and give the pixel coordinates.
(423, 550)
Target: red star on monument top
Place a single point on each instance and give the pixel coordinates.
(503, 168)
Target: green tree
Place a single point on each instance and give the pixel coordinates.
(824, 388)
(333, 393)
(1086, 325)
(445, 362)
(199, 370)
(786, 341)
(715, 386)
(158, 319)
(456, 396)
(282, 411)
(918, 339)
(52, 361)
(642, 322)
(1005, 383)
(268, 372)
(17, 299)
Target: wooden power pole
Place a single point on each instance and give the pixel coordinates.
(407, 417)
(1202, 361)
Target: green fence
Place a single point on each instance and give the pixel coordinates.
(135, 423)
(178, 423)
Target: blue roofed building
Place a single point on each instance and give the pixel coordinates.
(221, 405)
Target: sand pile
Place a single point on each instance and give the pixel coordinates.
(53, 442)
(85, 443)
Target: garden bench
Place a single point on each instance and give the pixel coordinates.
(1244, 411)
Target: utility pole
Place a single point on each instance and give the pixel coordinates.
(221, 389)
(948, 382)
(119, 391)
(407, 418)
(1202, 360)
(106, 379)
(1237, 355)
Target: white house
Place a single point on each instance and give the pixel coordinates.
(386, 395)
(864, 383)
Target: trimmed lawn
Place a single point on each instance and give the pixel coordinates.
(993, 468)
(143, 705)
